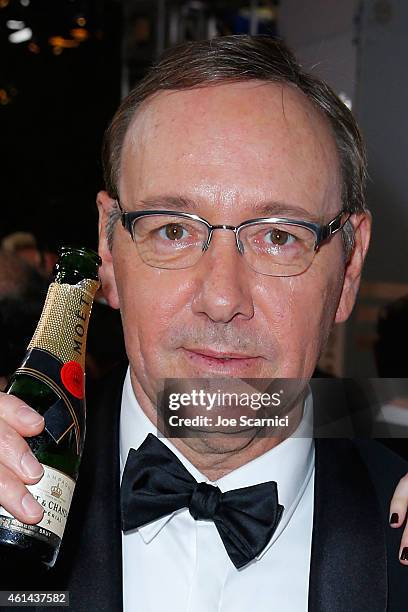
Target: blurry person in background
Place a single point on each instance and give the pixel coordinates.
(23, 245)
(22, 294)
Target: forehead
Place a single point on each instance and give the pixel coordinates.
(232, 146)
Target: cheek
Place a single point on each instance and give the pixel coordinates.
(151, 300)
(299, 313)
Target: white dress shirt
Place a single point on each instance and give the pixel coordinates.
(178, 564)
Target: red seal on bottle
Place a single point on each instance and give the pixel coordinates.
(72, 377)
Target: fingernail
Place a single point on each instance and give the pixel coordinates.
(404, 554)
(394, 518)
(30, 466)
(28, 416)
(31, 507)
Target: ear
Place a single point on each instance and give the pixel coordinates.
(362, 231)
(106, 272)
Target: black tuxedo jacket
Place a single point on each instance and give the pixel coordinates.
(354, 561)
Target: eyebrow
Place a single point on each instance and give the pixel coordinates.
(265, 209)
(169, 202)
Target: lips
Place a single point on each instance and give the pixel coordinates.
(223, 355)
(225, 361)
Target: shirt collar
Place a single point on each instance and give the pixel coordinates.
(290, 463)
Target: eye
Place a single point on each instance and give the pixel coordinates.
(279, 237)
(173, 231)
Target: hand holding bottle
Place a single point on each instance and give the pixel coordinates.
(18, 466)
(50, 379)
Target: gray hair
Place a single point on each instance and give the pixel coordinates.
(113, 217)
(240, 58)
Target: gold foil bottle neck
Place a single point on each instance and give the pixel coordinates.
(63, 325)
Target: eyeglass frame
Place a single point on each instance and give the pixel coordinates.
(322, 232)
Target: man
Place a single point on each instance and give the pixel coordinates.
(223, 132)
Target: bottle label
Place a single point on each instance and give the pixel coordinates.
(67, 382)
(54, 493)
(63, 325)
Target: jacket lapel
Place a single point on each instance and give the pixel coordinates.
(348, 568)
(95, 580)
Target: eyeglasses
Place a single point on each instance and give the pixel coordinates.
(274, 246)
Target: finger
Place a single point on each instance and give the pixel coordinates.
(16, 499)
(399, 503)
(16, 456)
(404, 547)
(19, 416)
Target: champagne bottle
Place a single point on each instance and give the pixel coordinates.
(51, 380)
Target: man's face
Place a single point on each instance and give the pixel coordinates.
(231, 149)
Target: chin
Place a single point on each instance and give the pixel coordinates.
(221, 442)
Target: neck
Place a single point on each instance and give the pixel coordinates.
(216, 454)
(218, 460)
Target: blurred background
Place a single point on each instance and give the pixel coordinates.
(65, 65)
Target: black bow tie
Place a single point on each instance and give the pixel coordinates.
(155, 484)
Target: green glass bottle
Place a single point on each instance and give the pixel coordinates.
(51, 379)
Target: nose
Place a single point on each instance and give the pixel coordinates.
(223, 282)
